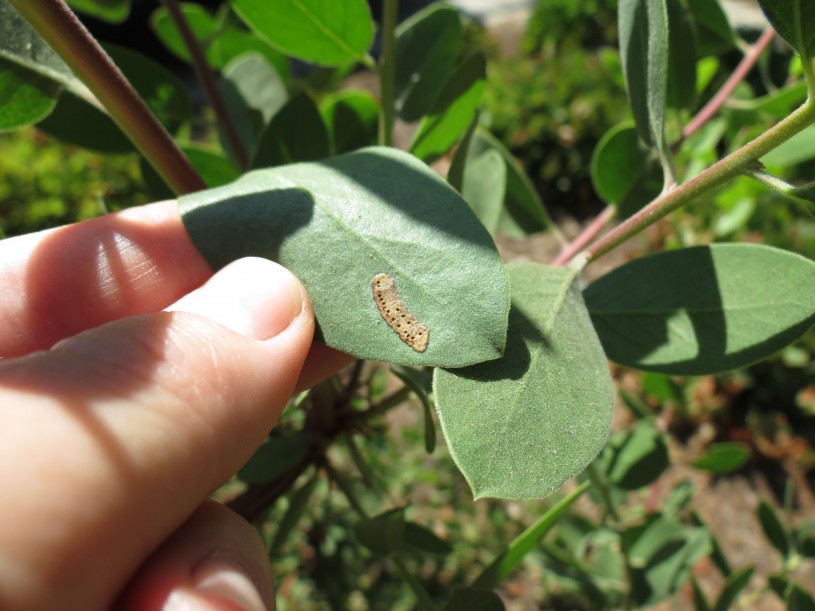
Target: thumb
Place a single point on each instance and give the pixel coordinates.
(132, 424)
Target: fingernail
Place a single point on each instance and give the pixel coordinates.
(227, 581)
(254, 297)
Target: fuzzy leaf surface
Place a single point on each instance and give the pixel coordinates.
(703, 310)
(521, 426)
(338, 223)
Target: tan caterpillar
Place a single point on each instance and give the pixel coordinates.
(411, 331)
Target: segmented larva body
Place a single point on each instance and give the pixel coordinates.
(411, 331)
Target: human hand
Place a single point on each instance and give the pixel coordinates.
(127, 396)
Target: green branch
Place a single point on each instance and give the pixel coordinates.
(737, 163)
(60, 28)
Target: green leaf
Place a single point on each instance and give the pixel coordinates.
(733, 587)
(717, 555)
(474, 599)
(773, 529)
(521, 426)
(484, 186)
(452, 111)
(383, 534)
(794, 20)
(221, 41)
(258, 83)
(662, 556)
(500, 568)
(20, 44)
(338, 223)
(296, 133)
(351, 119)
(324, 32)
(644, 44)
(112, 11)
(699, 600)
(799, 148)
(298, 503)
(636, 458)
(410, 378)
(713, 30)
(723, 458)
(25, 97)
(523, 212)
(681, 87)
(702, 310)
(159, 88)
(623, 172)
(276, 456)
(423, 540)
(795, 596)
(427, 46)
(455, 175)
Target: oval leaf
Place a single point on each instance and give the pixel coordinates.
(296, 133)
(325, 32)
(351, 119)
(338, 223)
(521, 426)
(276, 456)
(773, 529)
(703, 310)
(723, 458)
(112, 11)
(452, 112)
(794, 20)
(427, 46)
(25, 97)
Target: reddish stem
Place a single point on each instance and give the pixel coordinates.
(570, 249)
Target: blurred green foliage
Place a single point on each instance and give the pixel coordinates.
(44, 183)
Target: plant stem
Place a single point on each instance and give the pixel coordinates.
(742, 70)
(60, 28)
(384, 406)
(570, 249)
(716, 175)
(207, 80)
(387, 63)
(599, 479)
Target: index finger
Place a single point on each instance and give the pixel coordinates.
(57, 283)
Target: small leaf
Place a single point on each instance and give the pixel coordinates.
(258, 83)
(455, 175)
(296, 133)
(298, 503)
(484, 187)
(681, 87)
(733, 587)
(636, 458)
(699, 600)
(713, 29)
(383, 534)
(794, 20)
(521, 426)
(644, 38)
(624, 173)
(452, 112)
(351, 119)
(523, 212)
(795, 596)
(423, 540)
(324, 32)
(427, 46)
(474, 599)
(112, 11)
(500, 568)
(773, 529)
(276, 456)
(25, 97)
(703, 310)
(338, 223)
(723, 458)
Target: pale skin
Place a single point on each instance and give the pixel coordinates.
(133, 383)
